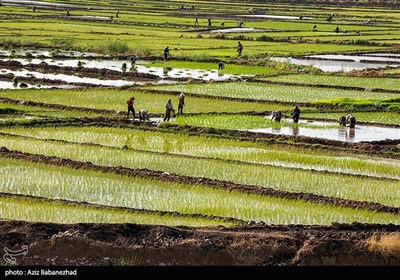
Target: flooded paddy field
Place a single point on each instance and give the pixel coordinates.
(365, 133)
(335, 63)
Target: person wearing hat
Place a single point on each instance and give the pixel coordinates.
(130, 107)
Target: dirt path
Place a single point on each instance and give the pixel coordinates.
(130, 244)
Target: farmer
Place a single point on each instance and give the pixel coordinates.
(196, 21)
(337, 29)
(133, 59)
(168, 110)
(296, 114)
(239, 48)
(181, 103)
(351, 120)
(117, 14)
(209, 22)
(277, 116)
(166, 53)
(342, 120)
(67, 12)
(314, 28)
(221, 66)
(143, 114)
(34, 8)
(130, 107)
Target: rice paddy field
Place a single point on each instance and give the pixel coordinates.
(70, 153)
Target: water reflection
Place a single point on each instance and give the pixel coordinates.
(295, 130)
(276, 128)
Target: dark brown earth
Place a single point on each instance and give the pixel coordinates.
(131, 244)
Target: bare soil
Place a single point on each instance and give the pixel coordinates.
(131, 244)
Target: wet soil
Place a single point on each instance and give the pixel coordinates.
(202, 181)
(131, 244)
(68, 70)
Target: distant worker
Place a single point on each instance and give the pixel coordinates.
(168, 110)
(296, 114)
(342, 120)
(196, 21)
(166, 53)
(221, 66)
(68, 14)
(34, 8)
(239, 48)
(181, 103)
(209, 22)
(300, 17)
(130, 107)
(277, 116)
(143, 114)
(329, 18)
(314, 29)
(133, 59)
(222, 24)
(337, 29)
(240, 24)
(351, 120)
(117, 14)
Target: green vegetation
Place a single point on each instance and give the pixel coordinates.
(337, 185)
(37, 210)
(218, 148)
(115, 99)
(348, 81)
(109, 189)
(263, 91)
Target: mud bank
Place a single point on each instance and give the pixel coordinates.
(258, 244)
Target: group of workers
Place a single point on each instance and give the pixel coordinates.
(169, 109)
(348, 120)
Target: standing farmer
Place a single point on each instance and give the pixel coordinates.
(181, 103)
(130, 107)
(296, 114)
(239, 48)
(168, 110)
(166, 53)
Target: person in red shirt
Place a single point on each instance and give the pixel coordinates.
(130, 107)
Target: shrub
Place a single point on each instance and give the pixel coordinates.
(265, 38)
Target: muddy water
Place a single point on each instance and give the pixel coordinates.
(333, 66)
(10, 85)
(358, 58)
(117, 66)
(68, 78)
(357, 134)
(236, 30)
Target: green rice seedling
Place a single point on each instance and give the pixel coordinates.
(37, 210)
(379, 190)
(116, 190)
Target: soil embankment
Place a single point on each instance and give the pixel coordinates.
(258, 244)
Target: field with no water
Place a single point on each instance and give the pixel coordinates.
(221, 183)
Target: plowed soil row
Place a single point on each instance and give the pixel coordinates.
(131, 244)
(126, 209)
(218, 160)
(160, 175)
